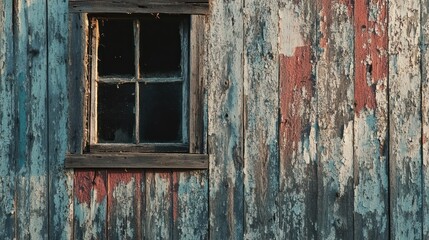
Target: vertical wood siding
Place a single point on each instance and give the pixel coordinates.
(371, 219)
(298, 179)
(7, 122)
(316, 117)
(405, 120)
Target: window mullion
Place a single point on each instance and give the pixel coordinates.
(137, 74)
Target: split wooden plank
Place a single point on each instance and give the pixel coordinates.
(298, 129)
(140, 6)
(7, 122)
(405, 120)
(425, 114)
(335, 119)
(261, 120)
(125, 194)
(225, 119)
(60, 180)
(90, 204)
(32, 154)
(190, 188)
(371, 206)
(158, 220)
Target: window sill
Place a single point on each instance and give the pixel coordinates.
(138, 160)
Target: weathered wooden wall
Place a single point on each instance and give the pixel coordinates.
(316, 116)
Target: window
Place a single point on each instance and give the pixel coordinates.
(139, 82)
(141, 103)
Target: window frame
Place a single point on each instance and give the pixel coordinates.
(85, 154)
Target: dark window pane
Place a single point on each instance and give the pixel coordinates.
(116, 47)
(116, 117)
(161, 112)
(160, 46)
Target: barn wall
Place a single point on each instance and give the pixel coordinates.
(317, 127)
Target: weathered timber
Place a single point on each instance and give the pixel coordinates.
(405, 123)
(137, 160)
(425, 114)
(7, 123)
(261, 158)
(298, 130)
(335, 119)
(140, 6)
(159, 205)
(225, 119)
(60, 180)
(124, 204)
(190, 189)
(90, 204)
(77, 80)
(30, 35)
(371, 206)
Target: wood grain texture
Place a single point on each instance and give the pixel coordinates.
(425, 114)
(137, 160)
(60, 180)
(405, 164)
(298, 130)
(77, 82)
(7, 122)
(125, 194)
(32, 154)
(371, 206)
(335, 119)
(140, 6)
(159, 205)
(225, 119)
(261, 157)
(90, 204)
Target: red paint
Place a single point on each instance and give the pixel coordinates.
(370, 53)
(295, 79)
(86, 183)
(116, 177)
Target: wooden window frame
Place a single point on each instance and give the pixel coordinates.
(86, 153)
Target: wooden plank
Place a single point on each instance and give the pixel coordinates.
(7, 123)
(261, 87)
(78, 88)
(335, 119)
(124, 214)
(60, 181)
(140, 6)
(32, 159)
(405, 164)
(190, 205)
(225, 119)
(159, 205)
(298, 130)
(197, 54)
(371, 217)
(90, 204)
(137, 160)
(425, 114)
(190, 189)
